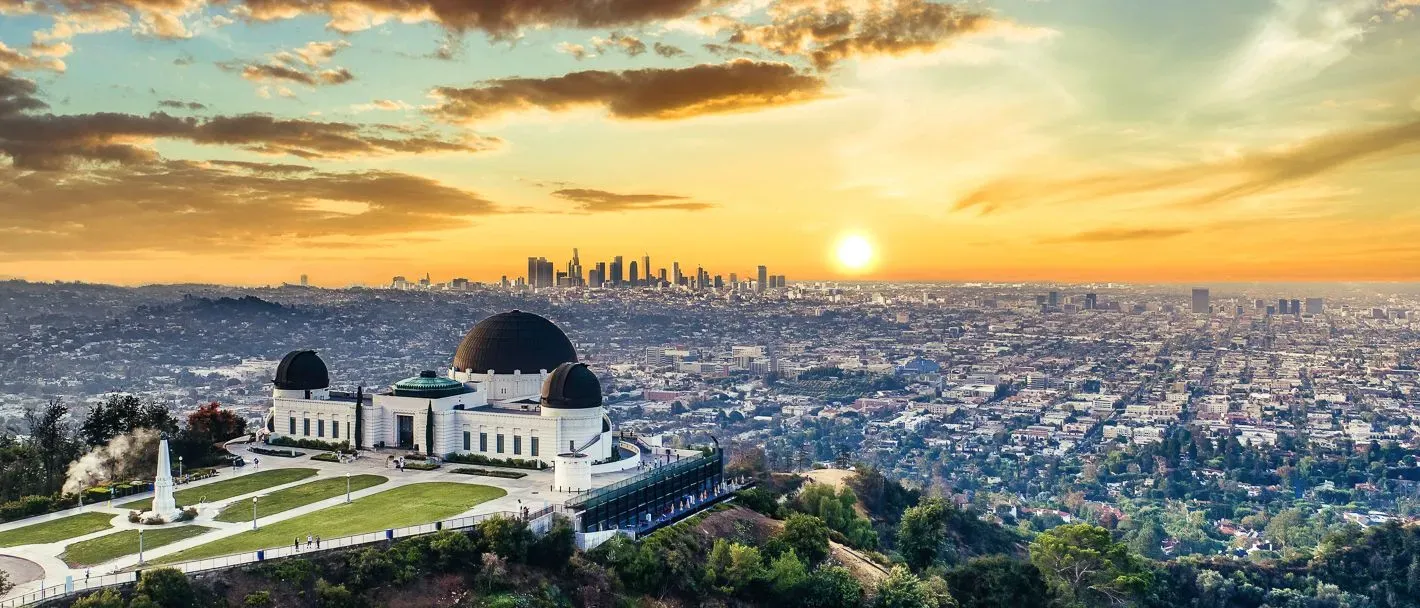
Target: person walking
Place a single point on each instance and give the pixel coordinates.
(297, 543)
(86, 576)
(317, 541)
(309, 540)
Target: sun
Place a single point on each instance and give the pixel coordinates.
(854, 252)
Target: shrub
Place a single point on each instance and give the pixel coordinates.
(335, 596)
(507, 537)
(326, 457)
(135, 516)
(311, 444)
(257, 599)
(167, 587)
(104, 598)
(421, 466)
(276, 453)
(29, 506)
(516, 463)
(489, 473)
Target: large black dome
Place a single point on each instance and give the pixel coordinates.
(513, 341)
(572, 386)
(301, 370)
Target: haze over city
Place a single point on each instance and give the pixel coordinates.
(249, 142)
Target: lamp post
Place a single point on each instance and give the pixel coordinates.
(253, 513)
(179, 467)
(140, 546)
(347, 488)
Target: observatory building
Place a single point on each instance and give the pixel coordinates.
(514, 390)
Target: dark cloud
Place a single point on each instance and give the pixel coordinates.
(667, 50)
(498, 18)
(1109, 235)
(630, 45)
(659, 93)
(275, 72)
(49, 142)
(829, 32)
(1247, 175)
(227, 206)
(601, 200)
(18, 95)
(181, 105)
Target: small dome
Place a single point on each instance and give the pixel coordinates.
(428, 385)
(571, 386)
(301, 370)
(513, 341)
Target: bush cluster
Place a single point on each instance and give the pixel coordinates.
(489, 473)
(517, 463)
(312, 444)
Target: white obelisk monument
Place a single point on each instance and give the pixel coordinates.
(164, 505)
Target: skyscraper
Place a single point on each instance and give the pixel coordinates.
(305, 281)
(601, 275)
(1092, 301)
(1282, 307)
(1296, 307)
(679, 279)
(616, 271)
(1054, 298)
(635, 275)
(646, 267)
(1200, 301)
(1316, 306)
(763, 280)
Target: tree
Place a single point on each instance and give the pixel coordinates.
(997, 580)
(213, 424)
(1084, 567)
(787, 575)
(832, 587)
(5, 584)
(733, 568)
(506, 536)
(168, 588)
(52, 437)
(121, 415)
(902, 589)
(1288, 529)
(554, 549)
(103, 598)
(806, 536)
(922, 532)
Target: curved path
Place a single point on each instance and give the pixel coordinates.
(532, 491)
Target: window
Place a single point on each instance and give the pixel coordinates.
(571, 446)
(466, 440)
(517, 445)
(532, 445)
(335, 429)
(483, 442)
(500, 443)
(306, 427)
(320, 428)
(293, 425)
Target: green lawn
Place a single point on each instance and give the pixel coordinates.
(228, 488)
(56, 530)
(304, 494)
(395, 508)
(112, 546)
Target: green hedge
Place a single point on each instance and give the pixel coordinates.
(326, 457)
(311, 444)
(276, 453)
(489, 473)
(421, 466)
(516, 463)
(30, 506)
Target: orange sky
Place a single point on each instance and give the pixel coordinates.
(1220, 140)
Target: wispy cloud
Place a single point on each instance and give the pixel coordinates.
(603, 201)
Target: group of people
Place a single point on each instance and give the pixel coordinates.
(398, 462)
(309, 540)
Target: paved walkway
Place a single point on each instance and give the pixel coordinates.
(533, 491)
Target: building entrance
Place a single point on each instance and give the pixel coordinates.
(405, 424)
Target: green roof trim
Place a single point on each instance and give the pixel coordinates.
(430, 386)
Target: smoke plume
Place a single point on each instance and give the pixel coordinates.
(123, 458)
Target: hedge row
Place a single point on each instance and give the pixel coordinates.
(311, 444)
(517, 463)
(489, 473)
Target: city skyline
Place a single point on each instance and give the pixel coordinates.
(253, 141)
